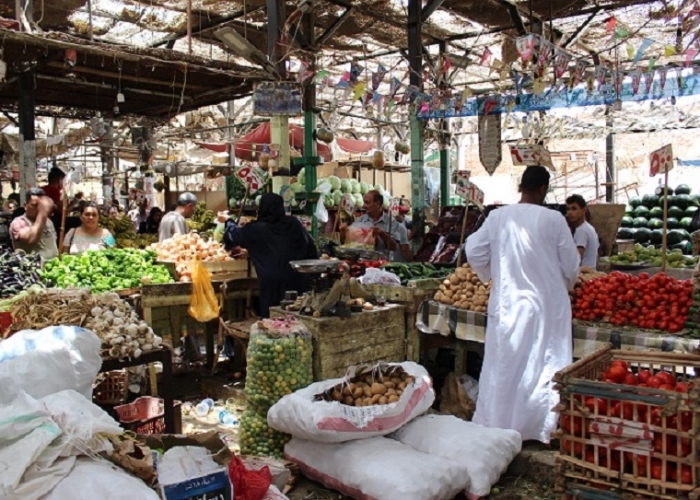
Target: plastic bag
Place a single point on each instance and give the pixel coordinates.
(203, 305)
(248, 484)
(360, 236)
(374, 276)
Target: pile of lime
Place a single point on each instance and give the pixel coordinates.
(277, 366)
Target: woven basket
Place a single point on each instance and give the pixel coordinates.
(695, 238)
(113, 389)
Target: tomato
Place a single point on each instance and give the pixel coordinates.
(601, 404)
(617, 373)
(656, 468)
(643, 376)
(654, 382)
(575, 429)
(619, 362)
(671, 444)
(666, 377)
(666, 387)
(576, 447)
(686, 474)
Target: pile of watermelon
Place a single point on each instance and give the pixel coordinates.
(643, 220)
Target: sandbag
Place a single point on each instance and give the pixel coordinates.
(378, 468)
(27, 358)
(303, 416)
(483, 452)
(92, 479)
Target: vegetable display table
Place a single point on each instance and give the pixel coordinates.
(364, 337)
(165, 308)
(165, 357)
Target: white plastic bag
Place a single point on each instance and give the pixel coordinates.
(92, 479)
(26, 357)
(471, 386)
(302, 416)
(484, 452)
(374, 276)
(378, 468)
(274, 494)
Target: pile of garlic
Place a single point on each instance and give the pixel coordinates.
(123, 333)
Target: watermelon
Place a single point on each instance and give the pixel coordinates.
(642, 235)
(625, 233)
(675, 212)
(672, 223)
(682, 189)
(656, 213)
(685, 222)
(626, 221)
(675, 236)
(671, 200)
(683, 201)
(684, 233)
(655, 224)
(660, 190)
(695, 199)
(639, 222)
(690, 211)
(641, 211)
(656, 236)
(684, 246)
(650, 200)
(635, 202)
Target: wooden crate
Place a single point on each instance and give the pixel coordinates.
(365, 337)
(631, 450)
(411, 298)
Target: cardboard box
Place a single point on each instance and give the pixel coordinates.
(326, 170)
(344, 172)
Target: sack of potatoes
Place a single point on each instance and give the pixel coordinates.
(464, 290)
(381, 388)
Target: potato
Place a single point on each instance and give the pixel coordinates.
(437, 296)
(448, 293)
(367, 306)
(357, 392)
(359, 402)
(366, 401)
(454, 279)
(402, 385)
(442, 288)
(337, 395)
(367, 391)
(375, 398)
(389, 385)
(392, 399)
(390, 392)
(347, 391)
(399, 392)
(383, 400)
(447, 301)
(349, 401)
(378, 388)
(446, 283)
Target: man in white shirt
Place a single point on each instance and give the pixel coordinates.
(175, 222)
(138, 215)
(585, 237)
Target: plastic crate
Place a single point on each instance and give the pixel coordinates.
(146, 415)
(5, 323)
(631, 454)
(113, 389)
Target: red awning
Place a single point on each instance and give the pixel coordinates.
(355, 145)
(251, 144)
(217, 147)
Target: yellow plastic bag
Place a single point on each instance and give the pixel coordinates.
(203, 304)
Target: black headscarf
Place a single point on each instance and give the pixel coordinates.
(271, 208)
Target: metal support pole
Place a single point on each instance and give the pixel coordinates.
(609, 160)
(27, 137)
(279, 125)
(415, 56)
(444, 142)
(106, 152)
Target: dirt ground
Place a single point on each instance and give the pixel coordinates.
(228, 392)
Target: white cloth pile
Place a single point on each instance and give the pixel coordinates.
(429, 457)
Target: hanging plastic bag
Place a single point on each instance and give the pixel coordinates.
(374, 276)
(248, 484)
(203, 305)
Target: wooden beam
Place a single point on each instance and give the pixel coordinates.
(515, 16)
(333, 27)
(581, 29)
(430, 8)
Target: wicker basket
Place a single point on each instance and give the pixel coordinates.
(647, 451)
(695, 238)
(112, 389)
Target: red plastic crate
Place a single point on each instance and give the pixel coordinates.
(146, 415)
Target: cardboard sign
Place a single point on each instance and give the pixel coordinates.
(215, 486)
(250, 178)
(461, 180)
(347, 203)
(661, 161)
(475, 195)
(531, 154)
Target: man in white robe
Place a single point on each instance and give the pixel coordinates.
(528, 253)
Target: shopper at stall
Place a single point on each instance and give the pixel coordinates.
(527, 252)
(138, 214)
(54, 188)
(89, 236)
(33, 231)
(175, 222)
(384, 228)
(585, 237)
(113, 212)
(152, 222)
(273, 240)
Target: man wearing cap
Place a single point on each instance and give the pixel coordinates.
(175, 222)
(527, 252)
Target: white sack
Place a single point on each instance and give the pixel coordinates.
(26, 357)
(91, 480)
(301, 416)
(378, 468)
(274, 494)
(484, 452)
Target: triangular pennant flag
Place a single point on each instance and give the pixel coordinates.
(630, 51)
(485, 56)
(669, 51)
(561, 63)
(544, 53)
(689, 56)
(652, 63)
(321, 75)
(376, 97)
(662, 79)
(446, 65)
(648, 81)
(610, 24)
(378, 77)
(636, 80)
(358, 91)
(355, 72)
(394, 87)
(621, 33)
(390, 107)
(646, 43)
(525, 45)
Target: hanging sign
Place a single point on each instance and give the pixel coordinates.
(531, 154)
(490, 142)
(661, 161)
(461, 181)
(347, 203)
(250, 178)
(475, 195)
(525, 45)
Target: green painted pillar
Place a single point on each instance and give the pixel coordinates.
(311, 161)
(444, 177)
(417, 179)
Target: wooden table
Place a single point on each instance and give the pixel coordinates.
(165, 357)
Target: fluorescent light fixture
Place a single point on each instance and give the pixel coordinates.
(242, 47)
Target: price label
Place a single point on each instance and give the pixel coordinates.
(250, 178)
(531, 154)
(475, 195)
(216, 486)
(661, 160)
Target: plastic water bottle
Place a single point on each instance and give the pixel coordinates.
(204, 407)
(228, 419)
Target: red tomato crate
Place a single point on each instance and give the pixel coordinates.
(622, 441)
(146, 415)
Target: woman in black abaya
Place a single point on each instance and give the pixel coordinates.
(273, 241)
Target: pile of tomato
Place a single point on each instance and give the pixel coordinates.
(658, 303)
(620, 373)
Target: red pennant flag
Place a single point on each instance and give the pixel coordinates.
(610, 25)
